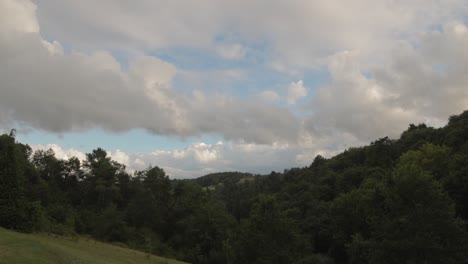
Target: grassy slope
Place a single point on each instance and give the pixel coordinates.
(40, 248)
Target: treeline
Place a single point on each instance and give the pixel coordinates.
(394, 201)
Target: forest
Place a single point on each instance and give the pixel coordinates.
(399, 200)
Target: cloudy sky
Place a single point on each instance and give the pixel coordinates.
(203, 86)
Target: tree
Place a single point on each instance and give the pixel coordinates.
(150, 204)
(50, 171)
(267, 236)
(102, 179)
(415, 223)
(15, 210)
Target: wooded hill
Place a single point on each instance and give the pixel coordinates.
(394, 201)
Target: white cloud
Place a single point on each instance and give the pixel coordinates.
(242, 156)
(405, 88)
(18, 16)
(119, 156)
(269, 96)
(130, 160)
(204, 153)
(54, 48)
(139, 164)
(296, 90)
(60, 153)
(232, 52)
(201, 158)
(355, 104)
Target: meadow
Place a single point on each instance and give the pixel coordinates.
(40, 248)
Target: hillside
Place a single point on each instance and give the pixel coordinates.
(40, 248)
(393, 201)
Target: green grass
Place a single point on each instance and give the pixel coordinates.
(18, 248)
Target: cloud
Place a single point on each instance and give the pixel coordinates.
(269, 96)
(354, 104)
(155, 73)
(45, 88)
(232, 52)
(200, 152)
(383, 99)
(132, 163)
(19, 16)
(390, 63)
(201, 158)
(298, 32)
(60, 152)
(211, 81)
(296, 90)
(121, 157)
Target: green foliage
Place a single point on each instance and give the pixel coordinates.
(15, 210)
(261, 238)
(416, 222)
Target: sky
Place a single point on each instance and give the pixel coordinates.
(197, 87)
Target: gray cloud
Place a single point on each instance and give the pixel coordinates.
(420, 82)
(45, 88)
(300, 32)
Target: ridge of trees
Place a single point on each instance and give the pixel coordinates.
(394, 201)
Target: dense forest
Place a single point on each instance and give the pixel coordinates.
(394, 201)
